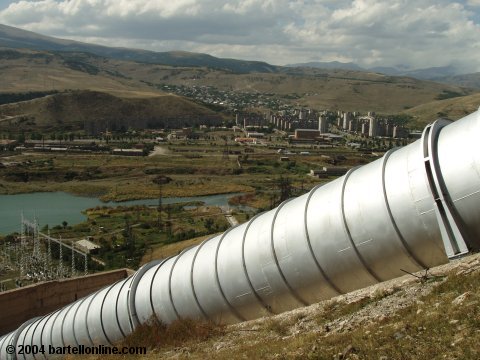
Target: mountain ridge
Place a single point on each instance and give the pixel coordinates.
(438, 73)
(39, 71)
(18, 38)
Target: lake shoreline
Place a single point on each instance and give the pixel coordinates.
(53, 208)
(106, 195)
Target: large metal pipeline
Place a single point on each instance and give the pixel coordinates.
(414, 208)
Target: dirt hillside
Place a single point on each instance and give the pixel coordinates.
(97, 111)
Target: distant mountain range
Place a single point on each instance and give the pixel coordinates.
(329, 65)
(433, 73)
(12, 37)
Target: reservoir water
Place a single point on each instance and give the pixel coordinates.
(53, 208)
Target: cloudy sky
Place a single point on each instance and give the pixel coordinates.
(416, 33)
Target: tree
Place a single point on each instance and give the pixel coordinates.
(209, 224)
(64, 224)
(35, 136)
(21, 138)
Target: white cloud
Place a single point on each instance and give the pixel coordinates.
(368, 32)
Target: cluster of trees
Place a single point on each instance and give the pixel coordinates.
(381, 144)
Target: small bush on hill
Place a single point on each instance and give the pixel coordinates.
(155, 334)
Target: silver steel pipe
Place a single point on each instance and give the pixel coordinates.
(414, 208)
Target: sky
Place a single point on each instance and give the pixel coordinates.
(412, 33)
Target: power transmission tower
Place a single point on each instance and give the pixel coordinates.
(21, 252)
(49, 247)
(73, 260)
(60, 265)
(36, 240)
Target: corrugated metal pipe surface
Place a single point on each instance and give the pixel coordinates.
(414, 208)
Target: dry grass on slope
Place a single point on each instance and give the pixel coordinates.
(24, 71)
(24, 76)
(319, 89)
(454, 109)
(70, 110)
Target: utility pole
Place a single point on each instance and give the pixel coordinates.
(60, 265)
(225, 155)
(73, 260)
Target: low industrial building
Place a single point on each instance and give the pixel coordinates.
(306, 134)
(256, 135)
(87, 246)
(246, 140)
